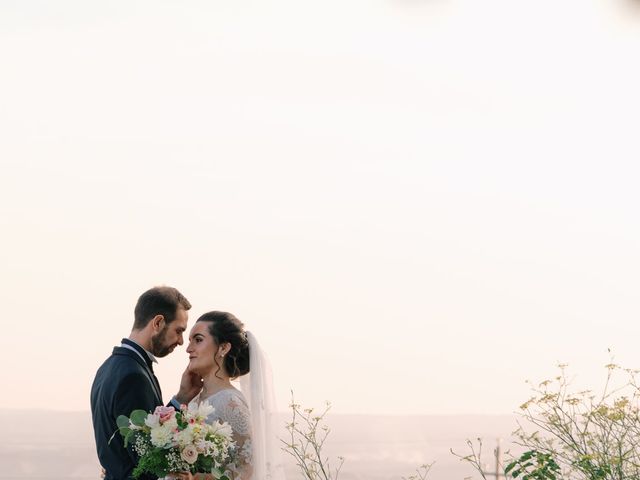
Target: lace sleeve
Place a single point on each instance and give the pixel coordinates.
(235, 412)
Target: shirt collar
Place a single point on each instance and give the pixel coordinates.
(149, 354)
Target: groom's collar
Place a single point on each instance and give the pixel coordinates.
(147, 356)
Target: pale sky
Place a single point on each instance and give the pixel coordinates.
(415, 205)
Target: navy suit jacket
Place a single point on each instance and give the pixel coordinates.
(124, 382)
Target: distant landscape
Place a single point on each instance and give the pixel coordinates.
(47, 445)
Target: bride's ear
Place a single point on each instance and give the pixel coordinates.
(224, 348)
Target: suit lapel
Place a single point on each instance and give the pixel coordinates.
(152, 378)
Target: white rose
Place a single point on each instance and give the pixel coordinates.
(189, 454)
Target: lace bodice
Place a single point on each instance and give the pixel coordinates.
(231, 407)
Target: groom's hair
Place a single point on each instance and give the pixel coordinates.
(158, 301)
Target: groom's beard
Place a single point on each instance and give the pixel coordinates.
(160, 349)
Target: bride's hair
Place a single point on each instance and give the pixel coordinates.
(226, 328)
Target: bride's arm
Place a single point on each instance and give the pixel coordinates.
(236, 413)
(243, 462)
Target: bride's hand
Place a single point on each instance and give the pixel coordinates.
(189, 476)
(190, 386)
(179, 476)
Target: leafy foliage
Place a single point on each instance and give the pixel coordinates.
(590, 436)
(151, 463)
(533, 465)
(577, 435)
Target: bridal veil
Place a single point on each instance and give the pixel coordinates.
(257, 387)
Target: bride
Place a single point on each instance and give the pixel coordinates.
(220, 350)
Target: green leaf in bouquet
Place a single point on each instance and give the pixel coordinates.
(203, 464)
(218, 473)
(122, 421)
(154, 463)
(138, 417)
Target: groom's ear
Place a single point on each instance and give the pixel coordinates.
(158, 323)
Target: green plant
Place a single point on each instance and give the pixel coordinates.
(421, 472)
(533, 465)
(576, 435)
(474, 458)
(306, 439)
(307, 435)
(590, 436)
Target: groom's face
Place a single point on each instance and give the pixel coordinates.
(165, 341)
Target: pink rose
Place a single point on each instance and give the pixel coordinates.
(189, 454)
(165, 413)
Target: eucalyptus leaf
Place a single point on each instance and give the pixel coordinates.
(122, 421)
(138, 417)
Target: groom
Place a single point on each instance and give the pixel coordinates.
(126, 382)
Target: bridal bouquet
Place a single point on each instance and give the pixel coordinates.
(178, 441)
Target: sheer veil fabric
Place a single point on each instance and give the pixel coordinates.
(257, 387)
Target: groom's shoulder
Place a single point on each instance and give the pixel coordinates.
(120, 367)
(122, 359)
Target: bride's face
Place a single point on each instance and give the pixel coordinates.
(202, 349)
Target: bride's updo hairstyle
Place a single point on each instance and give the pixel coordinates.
(226, 328)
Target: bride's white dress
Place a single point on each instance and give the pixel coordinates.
(231, 407)
(251, 413)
